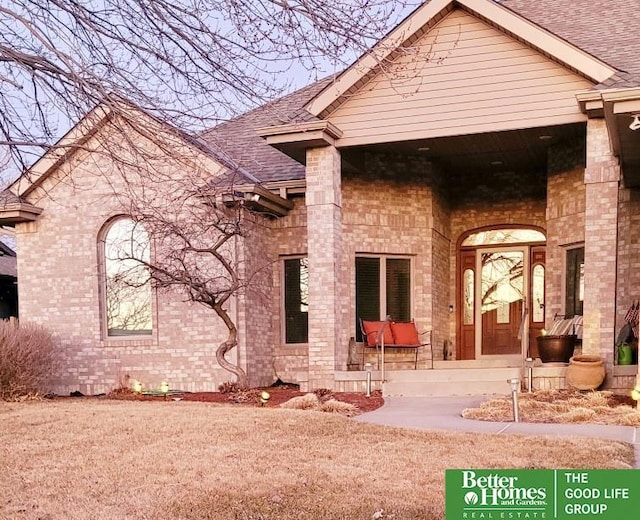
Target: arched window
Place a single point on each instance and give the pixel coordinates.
(127, 285)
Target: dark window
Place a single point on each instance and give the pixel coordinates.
(575, 282)
(383, 288)
(296, 300)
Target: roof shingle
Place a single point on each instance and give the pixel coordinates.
(607, 30)
(238, 137)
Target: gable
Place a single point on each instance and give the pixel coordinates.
(463, 76)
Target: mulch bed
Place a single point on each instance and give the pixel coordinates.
(277, 395)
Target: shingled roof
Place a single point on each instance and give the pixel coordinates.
(238, 137)
(607, 30)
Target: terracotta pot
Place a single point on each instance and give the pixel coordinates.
(556, 349)
(585, 372)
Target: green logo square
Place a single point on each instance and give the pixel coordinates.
(478, 494)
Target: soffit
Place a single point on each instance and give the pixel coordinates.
(515, 151)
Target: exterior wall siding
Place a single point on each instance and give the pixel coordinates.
(463, 77)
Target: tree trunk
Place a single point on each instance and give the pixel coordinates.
(227, 346)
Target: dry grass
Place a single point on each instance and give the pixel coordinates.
(311, 401)
(553, 406)
(181, 460)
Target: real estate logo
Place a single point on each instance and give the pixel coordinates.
(497, 492)
(541, 494)
(471, 498)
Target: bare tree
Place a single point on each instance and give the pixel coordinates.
(191, 62)
(152, 67)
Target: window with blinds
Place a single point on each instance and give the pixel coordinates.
(296, 300)
(383, 288)
(574, 289)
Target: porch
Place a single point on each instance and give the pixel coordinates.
(484, 377)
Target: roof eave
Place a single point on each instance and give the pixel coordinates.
(18, 213)
(294, 139)
(619, 108)
(257, 199)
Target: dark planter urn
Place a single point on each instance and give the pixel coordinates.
(556, 349)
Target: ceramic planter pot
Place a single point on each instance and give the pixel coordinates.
(556, 349)
(585, 372)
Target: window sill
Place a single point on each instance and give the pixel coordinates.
(129, 341)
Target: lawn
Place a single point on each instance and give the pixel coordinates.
(102, 459)
(561, 406)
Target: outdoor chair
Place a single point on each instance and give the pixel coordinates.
(394, 335)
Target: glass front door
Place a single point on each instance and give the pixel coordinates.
(501, 271)
(501, 300)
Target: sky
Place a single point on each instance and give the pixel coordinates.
(295, 76)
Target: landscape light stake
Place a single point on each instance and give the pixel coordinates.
(529, 365)
(368, 367)
(515, 386)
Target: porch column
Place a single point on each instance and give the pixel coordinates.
(601, 179)
(327, 274)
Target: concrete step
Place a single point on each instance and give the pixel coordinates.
(465, 381)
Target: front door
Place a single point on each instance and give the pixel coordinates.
(501, 293)
(501, 301)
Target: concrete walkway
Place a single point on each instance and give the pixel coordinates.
(443, 413)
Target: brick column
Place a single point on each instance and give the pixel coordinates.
(601, 179)
(327, 284)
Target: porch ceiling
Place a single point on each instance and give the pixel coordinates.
(522, 150)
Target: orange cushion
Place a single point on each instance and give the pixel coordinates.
(372, 328)
(405, 334)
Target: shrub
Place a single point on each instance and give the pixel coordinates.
(339, 407)
(28, 359)
(304, 402)
(228, 387)
(323, 394)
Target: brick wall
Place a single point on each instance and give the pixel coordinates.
(60, 289)
(628, 253)
(601, 178)
(258, 303)
(565, 218)
(328, 332)
(291, 362)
